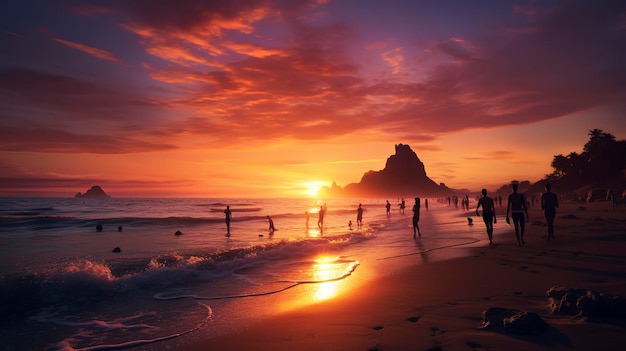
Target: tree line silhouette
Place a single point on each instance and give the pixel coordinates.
(601, 163)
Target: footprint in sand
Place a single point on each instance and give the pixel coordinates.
(413, 319)
(475, 346)
(435, 330)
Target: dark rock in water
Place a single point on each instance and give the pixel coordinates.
(178, 232)
(117, 250)
(586, 303)
(94, 192)
(99, 227)
(513, 321)
(470, 221)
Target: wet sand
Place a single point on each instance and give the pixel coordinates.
(438, 305)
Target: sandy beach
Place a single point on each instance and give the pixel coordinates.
(438, 305)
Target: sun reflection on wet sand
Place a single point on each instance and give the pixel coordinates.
(325, 270)
(325, 278)
(329, 272)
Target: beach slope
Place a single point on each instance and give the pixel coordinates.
(439, 305)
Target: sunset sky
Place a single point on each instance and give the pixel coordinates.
(259, 98)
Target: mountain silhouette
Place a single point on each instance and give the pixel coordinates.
(404, 175)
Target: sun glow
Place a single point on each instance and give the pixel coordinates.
(313, 187)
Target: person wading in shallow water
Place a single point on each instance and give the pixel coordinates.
(517, 207)
(359, 217)
(416, 218)
(489, 213)
(228, 215)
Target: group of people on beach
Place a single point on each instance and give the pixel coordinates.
(517, 206)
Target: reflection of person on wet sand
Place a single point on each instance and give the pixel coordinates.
(228, 215)
(549, 204)
(271, 223)
(517, 206)
(489, 213)
(416, 217)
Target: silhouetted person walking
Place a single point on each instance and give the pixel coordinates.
(388, 207)
(359, 216)
(549, 204)
(517, 206)
(416, 218)
(489, 213)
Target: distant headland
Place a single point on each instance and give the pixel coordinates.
(95, 192)
(403, 174)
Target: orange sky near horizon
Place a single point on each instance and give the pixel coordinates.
(274, 99)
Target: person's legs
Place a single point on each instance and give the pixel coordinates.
(550, 219)
(489, 224)
(518, 222)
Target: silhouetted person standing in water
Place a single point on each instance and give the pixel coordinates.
(489, 213)
(271, 223)
(517, 206)
(388, 207)
(320, 219)
(426, 204)
(416, 218)
(359, 216)
(228, 215)
(549, 204)
(402, 206)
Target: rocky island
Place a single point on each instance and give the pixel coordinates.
(404, 174)
(95, 192)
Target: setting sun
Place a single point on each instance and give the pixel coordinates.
(312, 188)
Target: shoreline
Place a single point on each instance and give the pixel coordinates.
(437, 305)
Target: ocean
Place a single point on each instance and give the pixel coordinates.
(63, 288)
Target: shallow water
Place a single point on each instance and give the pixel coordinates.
(64, 288)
